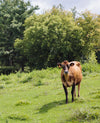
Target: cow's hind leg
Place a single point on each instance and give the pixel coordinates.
(79, 90)
(73, 90)
(66, 93)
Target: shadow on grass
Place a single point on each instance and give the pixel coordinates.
(51, 105)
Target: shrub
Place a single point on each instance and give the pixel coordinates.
(6, 69)
(22, 102)
(8, 82)
(17, 116)
(38, 83)
(85, 114)
(89, 67)
(2, 87)
(92, 58)
(4, 77)
(80, 100)
(25, 78)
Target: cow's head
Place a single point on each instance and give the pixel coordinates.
(65, 65)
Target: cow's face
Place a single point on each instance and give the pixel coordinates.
(65, 66)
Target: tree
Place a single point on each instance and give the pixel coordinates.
(91, 32)
(55, 36)
(12, 16)
(98, 46)
(50, 38)
(74, 12)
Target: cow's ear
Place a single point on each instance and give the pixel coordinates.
(78, 64)
(65, 62)
(59, 65)
(71, 64)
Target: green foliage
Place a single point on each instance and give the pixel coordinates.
(98, 56)
(92, 58)
(7, 69)
(12, 16)
(50, 37)
(18, 116)
(82, 115)
(22, 102)
(90, 67)
(2, 86)
(38, 83)
(91, 64)
(40, 41)
(91, 32)
(25, 79)
(80, 100)
(55, 36)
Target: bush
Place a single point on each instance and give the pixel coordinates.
(90, 67)
(17, 116)
(92, 58)
(25, 78)
(6, 69)
(22, 102)
(38, 83)
(85, 115)
(91, 64)
(2, 87)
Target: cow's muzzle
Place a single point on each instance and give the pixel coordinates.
(66, 72)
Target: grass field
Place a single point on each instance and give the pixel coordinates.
(38, 97)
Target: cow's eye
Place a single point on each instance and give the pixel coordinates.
(63, 66)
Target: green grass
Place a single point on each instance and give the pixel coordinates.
(38, 97)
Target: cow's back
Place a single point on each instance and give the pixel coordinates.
(77, 64)
(75, 72)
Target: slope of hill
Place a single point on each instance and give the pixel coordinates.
(38, 97)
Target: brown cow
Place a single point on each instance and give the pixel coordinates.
(71, 75)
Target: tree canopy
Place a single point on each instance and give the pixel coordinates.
(12, 16)
(56, 35)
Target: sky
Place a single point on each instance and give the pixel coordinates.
(81, 5)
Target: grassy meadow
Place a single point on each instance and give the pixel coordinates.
(38, 97)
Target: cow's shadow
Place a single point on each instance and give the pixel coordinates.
(51, 105)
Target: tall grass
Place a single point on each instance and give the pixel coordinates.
(85, 115)
(18, 116)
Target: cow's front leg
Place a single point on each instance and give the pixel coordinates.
(73, 90)
(66, 92)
